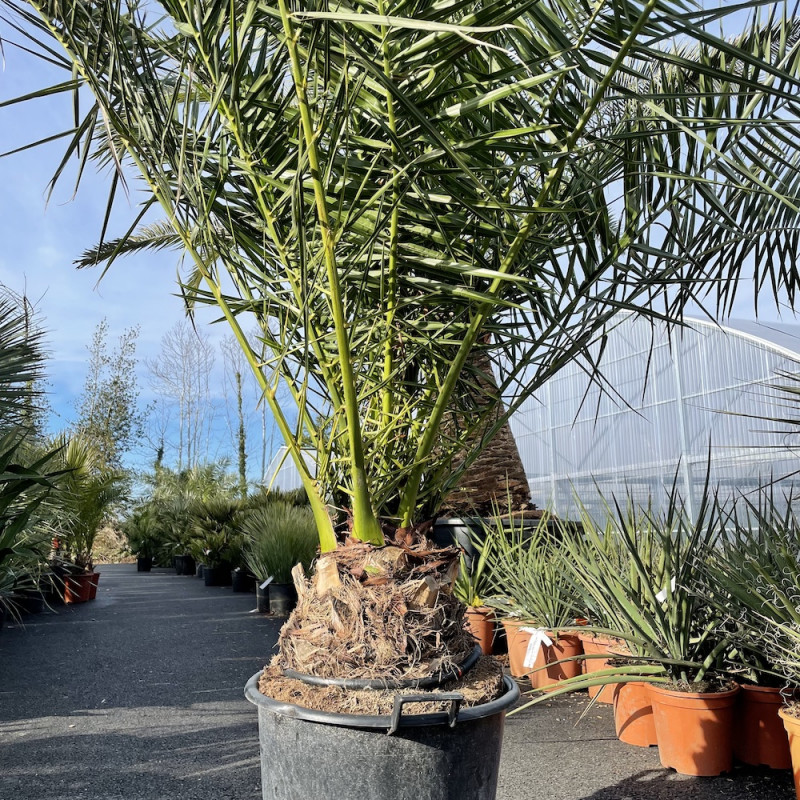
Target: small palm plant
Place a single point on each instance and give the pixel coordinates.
(86, 493)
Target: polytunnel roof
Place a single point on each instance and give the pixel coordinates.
(782, 336)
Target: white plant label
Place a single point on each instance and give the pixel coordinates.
(539, 637)
(267, 582)
(662, 595)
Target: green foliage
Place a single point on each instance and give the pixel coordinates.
(215, 539)
(753, 582)
(141, 529)
(528, 578)
(390, 188)
(473, 584)
(108, 416)
(640, 575)
(85, 494)
(279, 535)
(25, 481)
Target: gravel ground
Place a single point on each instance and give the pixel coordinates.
(138, 696)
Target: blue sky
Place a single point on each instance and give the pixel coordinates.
(40, 242)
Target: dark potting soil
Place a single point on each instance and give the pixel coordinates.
(481, 684)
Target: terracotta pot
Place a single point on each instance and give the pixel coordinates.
(694, 731)
(565, 645)
(633, 714)
(594, 645)
(480, 623)
(517, 646)
(759, 736)
(792, 725)
(78, 588)
(95, 579)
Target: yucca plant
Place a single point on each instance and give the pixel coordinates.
(527, 578)
(398, 192)
(753, 581)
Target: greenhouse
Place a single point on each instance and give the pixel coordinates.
(705, 389)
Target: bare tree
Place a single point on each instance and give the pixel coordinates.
(182, 376)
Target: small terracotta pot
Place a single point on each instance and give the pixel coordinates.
(694, 731)
(517, 641)
(78, 588)
(479, 621)
(633, 714)
(759, 736)
(565, 645)
(596, 645)
(792, 725)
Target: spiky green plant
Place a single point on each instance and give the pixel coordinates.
(390, 187)
(527, 578)
(278, 536)
(85, 494)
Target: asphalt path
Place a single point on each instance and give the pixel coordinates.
(138, 696)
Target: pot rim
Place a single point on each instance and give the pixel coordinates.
(663, 691)
(383, 721)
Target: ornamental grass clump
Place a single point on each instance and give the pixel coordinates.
(279, 535)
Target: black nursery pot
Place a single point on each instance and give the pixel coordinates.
(282, 598)
(242, 581)
(217, 576)
(184, 565)
(448, 755)
(144, 564)
(262, 599)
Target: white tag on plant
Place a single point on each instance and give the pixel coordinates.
(662, 595)
(539, 637)
(267, 582)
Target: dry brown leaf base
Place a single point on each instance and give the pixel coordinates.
(377, 613)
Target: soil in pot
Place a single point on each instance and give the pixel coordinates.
(480, 622)
(759, 734)
(426, 758)
(633, 714)
(694, 729)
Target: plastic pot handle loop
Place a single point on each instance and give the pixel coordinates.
(454, 698)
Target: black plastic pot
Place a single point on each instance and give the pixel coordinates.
(242, 581)
(282, 598)
(144, 564)
(450, 755)
(217, 576)
(262, 599)
(184, 565)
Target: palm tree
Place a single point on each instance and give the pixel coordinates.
(393, 188)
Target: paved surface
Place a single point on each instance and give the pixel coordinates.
(138, 696)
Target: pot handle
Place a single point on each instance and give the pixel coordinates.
(454, 698)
